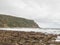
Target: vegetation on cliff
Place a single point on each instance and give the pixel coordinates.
(11, 21)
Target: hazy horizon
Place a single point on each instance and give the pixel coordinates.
(45, 12)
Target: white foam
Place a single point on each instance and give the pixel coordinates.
(48, 31)
(58, 39)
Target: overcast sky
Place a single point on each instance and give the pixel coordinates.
(45, 12)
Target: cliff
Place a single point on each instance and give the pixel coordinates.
(11, 21)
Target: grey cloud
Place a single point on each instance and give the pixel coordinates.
(46, 11)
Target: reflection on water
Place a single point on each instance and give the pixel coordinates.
(48, 31)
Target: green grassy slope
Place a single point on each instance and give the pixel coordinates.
(11, 21)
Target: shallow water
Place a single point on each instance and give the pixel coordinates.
(47, 31)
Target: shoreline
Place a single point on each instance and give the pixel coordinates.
(47, 31)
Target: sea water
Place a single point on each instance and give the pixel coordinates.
(47, 31)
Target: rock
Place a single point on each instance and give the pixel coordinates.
(26, 38)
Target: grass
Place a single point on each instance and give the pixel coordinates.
(11, 21)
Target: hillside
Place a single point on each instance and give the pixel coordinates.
(11, 21)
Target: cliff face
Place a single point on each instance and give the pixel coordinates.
(11, 21)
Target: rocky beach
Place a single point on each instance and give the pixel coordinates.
(27, 38)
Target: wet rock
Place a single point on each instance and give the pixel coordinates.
(26, 38)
